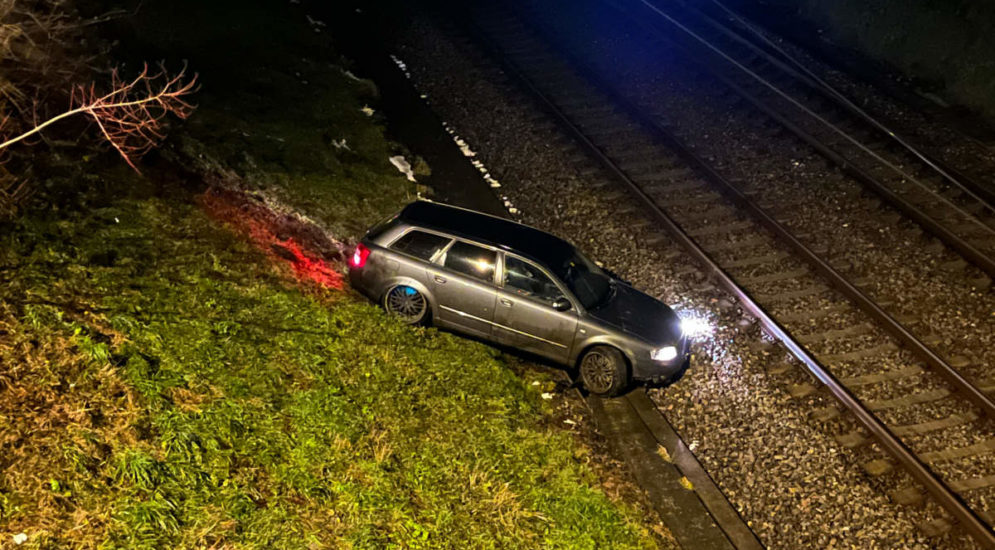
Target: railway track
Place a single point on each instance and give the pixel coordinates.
(900, 285)
(949, 205)
(745, 48)
(951, 136)
(916, 412)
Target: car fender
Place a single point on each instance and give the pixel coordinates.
(413, 283)
(620, 344)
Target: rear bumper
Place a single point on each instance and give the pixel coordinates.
(356, 280)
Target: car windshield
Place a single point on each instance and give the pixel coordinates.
(588, 282)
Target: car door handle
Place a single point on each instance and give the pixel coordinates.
(506, 302)
(439, 279)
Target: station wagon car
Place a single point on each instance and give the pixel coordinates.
(520, 287)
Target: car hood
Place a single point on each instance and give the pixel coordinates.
(640, 315)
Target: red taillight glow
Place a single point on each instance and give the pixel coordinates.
(262, 226)
(359, 256)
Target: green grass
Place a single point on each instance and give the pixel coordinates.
(288, 151)
(253, 414)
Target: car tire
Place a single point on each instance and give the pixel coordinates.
(603, 371)
(408, 304)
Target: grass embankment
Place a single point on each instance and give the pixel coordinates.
(165, 382)
(164, 386)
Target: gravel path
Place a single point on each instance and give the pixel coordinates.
(794, 484)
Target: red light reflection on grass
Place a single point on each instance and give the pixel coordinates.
(261, 226)
(312, 269)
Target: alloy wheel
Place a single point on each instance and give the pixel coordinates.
(599, 372)
(407, 303)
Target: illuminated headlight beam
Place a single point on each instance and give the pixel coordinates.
(694, 325)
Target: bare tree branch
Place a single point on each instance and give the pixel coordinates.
(132, 115)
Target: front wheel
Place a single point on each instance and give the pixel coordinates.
(406, 303)
(603, 371)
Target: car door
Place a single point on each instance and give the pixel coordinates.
(524, 315)
(464, 286)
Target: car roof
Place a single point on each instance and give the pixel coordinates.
(498, 232)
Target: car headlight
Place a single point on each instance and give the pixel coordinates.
(664, 354)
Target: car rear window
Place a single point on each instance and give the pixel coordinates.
(471, 260)
(420, 244)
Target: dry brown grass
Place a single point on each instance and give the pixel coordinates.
(60, 413)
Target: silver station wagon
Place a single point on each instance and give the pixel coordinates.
(520, 287)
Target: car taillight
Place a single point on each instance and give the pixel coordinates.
(359, 256)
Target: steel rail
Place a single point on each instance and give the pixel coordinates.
(816, 116)
(967, 250)
(946, 497)
(803, 74)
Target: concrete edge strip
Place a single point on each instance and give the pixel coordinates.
(727, 518)
(679, 507)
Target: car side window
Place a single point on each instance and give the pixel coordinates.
(525, 279)
(420, 244)
(471, 260)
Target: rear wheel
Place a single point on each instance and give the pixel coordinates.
(603, 371)
(407, 304)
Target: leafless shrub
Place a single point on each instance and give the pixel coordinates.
(40, 56)
(13, 193)
(42, 59)
(132, 114)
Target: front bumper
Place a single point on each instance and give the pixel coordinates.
(674, 377)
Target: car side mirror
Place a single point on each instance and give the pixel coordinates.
(561, 304)
(615, 276)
